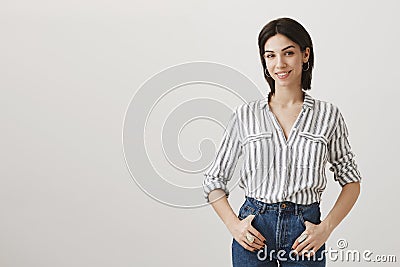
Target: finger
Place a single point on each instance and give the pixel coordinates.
(307, 250)
(311, 252)
(258, 247)
(299, 240)
(302, 245)
(295, 244)
(317, 247)
(257, 234)
(249, 246)
(246, 246)
(256, 243)
(250, 217)
(308, 224)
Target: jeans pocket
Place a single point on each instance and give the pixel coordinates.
(246, 210)
(311, 214)
(300, 214)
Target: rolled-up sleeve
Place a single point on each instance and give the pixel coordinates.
(222, 168)
(341, 157)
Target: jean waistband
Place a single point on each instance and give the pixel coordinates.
(281, 206)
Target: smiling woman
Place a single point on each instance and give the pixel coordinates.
(285, 64)
(296, 43)
(286, 141)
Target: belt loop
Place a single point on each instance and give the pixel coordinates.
(295, 209)
(263, 207)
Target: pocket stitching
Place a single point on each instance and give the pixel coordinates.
(247, 210)
(303, 220)
(255, 137)
(264, 139)
(314, 137)
(300, 214)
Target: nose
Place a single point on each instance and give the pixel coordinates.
(280, 62)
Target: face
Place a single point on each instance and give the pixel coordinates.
(284, 61)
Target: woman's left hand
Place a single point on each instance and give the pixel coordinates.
(317, 235)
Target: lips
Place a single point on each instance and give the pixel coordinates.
(283, 74)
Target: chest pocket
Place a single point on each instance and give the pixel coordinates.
(259, 151)
(312, 150)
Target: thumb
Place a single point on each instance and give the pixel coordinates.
(307, 224)
(250, 217)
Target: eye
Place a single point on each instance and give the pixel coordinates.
(269, 56)
(289, 53)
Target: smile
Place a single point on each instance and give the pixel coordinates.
(283, 75)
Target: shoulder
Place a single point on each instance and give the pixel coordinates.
(329, 109)
(250, 107)
(249, 116)
(332, 115)
(321, 105)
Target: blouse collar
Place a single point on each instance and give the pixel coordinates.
(307, 103)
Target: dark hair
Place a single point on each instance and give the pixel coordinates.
(295, 32)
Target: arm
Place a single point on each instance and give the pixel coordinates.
(345, 202)
(222, 207)
(347, 175)
(216, 190)
(318, 234)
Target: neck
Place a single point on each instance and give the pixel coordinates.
(287, 96)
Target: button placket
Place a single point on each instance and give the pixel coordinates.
(287, 167)
(287, 142)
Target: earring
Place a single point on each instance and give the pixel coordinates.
(266, 73)
(308, 66)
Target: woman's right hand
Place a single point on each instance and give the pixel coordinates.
(239, 230)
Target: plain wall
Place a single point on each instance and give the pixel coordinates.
(68, 71)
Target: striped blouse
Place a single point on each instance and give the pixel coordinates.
(277, 169)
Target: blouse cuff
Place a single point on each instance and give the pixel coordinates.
(211, 183)
(346, 171)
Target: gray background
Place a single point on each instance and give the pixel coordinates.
(68, 71)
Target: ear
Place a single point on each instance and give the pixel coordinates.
(306, 54)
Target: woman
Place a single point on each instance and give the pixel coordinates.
(286, 141)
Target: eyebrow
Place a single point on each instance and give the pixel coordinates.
(290, 46)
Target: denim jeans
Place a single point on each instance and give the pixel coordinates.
(281, 224)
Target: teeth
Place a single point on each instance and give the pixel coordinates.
(282, 74)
